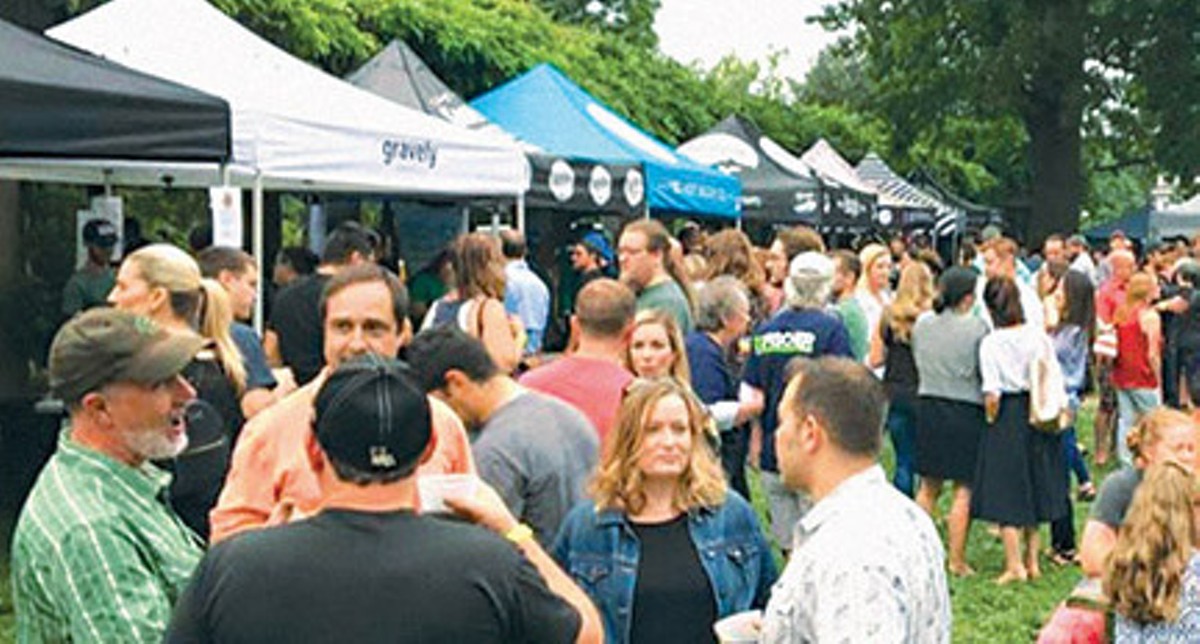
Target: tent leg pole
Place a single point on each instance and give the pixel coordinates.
(256, 242)
(495, 223)
(521, 213)
(466, 220)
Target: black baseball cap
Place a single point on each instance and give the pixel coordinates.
(371, 416)
(100, 232)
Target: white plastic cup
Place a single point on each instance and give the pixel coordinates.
(433, 489)
(739, 628)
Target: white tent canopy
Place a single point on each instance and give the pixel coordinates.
(294, 126)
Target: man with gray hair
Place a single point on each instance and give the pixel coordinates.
(722, 318)
(802, 329)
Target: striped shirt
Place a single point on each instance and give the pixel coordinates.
(97, 555)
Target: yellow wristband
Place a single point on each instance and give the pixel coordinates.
(519, 533)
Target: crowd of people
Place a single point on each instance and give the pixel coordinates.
(212, 485)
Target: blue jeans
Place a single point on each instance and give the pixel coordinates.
(902, 426)
(1131, 404)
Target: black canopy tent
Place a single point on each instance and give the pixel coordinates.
(559, 183)
(776, 186)
(902, 205)
(60, 103)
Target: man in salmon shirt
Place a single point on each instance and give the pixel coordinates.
(594, 377)
(271, 481)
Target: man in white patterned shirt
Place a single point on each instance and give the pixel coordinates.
(867, 564)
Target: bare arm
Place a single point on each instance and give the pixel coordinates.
(991, 407)
(1152, 326)
(1098, 541)
(271, 348)
(487, 509)
(497, 336)
(878, 352)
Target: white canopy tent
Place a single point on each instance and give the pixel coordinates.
(294, 126)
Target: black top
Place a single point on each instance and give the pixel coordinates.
(214, 419)
(673, 601)
(296, 320)
(899, 367)
(345, 576)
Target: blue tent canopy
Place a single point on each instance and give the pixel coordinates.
(1150, 225)
(546, 109)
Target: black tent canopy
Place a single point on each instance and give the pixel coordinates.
(60, 103)
(776, 186)
(572, 184)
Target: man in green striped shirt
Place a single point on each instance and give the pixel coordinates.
(98, 556)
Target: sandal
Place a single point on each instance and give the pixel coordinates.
(1062, 559)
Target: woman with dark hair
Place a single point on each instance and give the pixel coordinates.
(1019, 480)
(664, 548)
(950, 404)
(1071, 314)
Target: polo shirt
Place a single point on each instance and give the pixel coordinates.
(97, 555)
(668, 296)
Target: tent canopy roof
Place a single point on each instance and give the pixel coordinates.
(776, 185)
(545, 108)
(398, 74)
(298, 126)
(57, 102)
(894, 191)
(832, 166)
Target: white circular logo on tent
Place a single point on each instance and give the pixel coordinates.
(635, 187)
(600, 185)
(562, 180)
(720, 149)
(885, 217)
(630, 134)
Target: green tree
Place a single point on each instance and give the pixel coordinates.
(632, 20)
(936, 64)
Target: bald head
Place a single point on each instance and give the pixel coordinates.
(512, 244)
(1123, 264)
(605, 308)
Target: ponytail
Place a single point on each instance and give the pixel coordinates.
(216, 316)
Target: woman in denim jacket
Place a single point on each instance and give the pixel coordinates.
(664, 548)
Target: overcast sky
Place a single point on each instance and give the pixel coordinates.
(706, 30)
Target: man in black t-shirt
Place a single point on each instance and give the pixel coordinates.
(369, 569)
(295, 332)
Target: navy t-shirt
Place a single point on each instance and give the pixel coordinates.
(712, 379)
(792, 333)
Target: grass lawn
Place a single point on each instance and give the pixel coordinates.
(983, 612)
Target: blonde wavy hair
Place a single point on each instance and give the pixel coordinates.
(199, 301)
(679, 364)
(1138, 293)
(619, 482)
(1149, 430)
(914, 296)
(1144, 576)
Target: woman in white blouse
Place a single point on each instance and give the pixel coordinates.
(1019, 478)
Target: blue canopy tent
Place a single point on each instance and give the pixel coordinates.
(546, 109)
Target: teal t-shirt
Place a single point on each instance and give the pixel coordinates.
(669, 297)
(855, 320)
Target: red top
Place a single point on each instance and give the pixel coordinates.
(1132, 369)
(1108, 298)
(591, 385)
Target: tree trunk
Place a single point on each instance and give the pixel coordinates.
(1057, 173)
(1053, 116)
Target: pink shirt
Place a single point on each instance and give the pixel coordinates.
(591, 385)
(271, 480)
